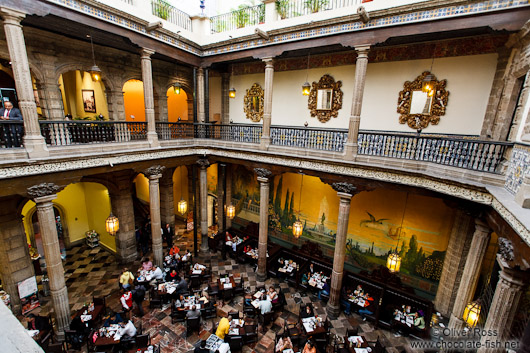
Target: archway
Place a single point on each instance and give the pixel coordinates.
(177, 105)
(62, 230)
(83, 98)
(133, 100)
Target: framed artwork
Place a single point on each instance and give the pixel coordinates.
(89, 102)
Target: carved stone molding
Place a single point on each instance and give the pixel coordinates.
(325, 82)
(434, 107)
(203, 162)
(262, 172)
(154, 170)
(506, 249)
(44, 189)
(254, 103)
(345, 188)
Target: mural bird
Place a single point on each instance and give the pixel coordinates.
(372, 220)
(394, 232)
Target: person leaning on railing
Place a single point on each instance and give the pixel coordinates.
(13, 132)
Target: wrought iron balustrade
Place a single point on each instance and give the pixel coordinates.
(11, 133)
(166, 11)
(473, 154)
(312, 138)
(231, 132)
(244, 17)
(173, 131)
(295, 8)
(73, 132)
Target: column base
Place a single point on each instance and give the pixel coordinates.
(123, 259)
(152, 138)
(261, 277)
(333, 311)
(204, 243)
(456, 323)
(350, 151)
(265, 143)
(36, 146)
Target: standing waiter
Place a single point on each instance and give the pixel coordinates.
(13, 132)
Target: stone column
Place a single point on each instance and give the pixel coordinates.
(350, 148)
(225, 100)
(455, 259)
(154, 173)
(203, 195)
(122, 207)
(147, 78)
(263, 178)
(345, 192)
(116, 105)
(228, 196)
(505, 303)
(43, 194)
(200, 95)
(167, 205)
(267, 104)
(52, 104)
(15, 262)
(468, 283)
(33, 140)
(221, 183)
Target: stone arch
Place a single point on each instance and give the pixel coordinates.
(28, 224)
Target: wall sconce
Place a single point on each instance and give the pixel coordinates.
(393, 262)
(472, 313)
(231, 212)
(232, 92)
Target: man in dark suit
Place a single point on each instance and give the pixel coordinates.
(167, 234)
(12, 133)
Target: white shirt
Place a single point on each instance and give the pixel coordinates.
(6, 112)
(224, 348)
(157, 274)
(129, 330)
(265, 306)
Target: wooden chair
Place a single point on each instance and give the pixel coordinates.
(195, 281)
(236, 343)
(240, 288)
(209, 312)
(233, 315)
(55, 348)
(251, 334)
(155, 300)
(228, 294)
(193, 325)
(378, 347)
(143, 341)
(177, 315)
(352, 332)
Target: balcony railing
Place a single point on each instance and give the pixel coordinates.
(173, 131)
(232, 132)
(64, 133)
(484, 156)
(167, 12)
(244, 17)
(312, 138)
(295, 8)
(11, 133)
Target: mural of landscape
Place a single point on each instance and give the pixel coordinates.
(381, 221)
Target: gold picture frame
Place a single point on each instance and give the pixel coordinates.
(325, 98)
(254, 103)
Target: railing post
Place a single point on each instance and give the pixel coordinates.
(267, 109)
(270, 11)
(350, 149)
(200, 24)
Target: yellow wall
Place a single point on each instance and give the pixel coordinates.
(211, 175)
(98, 209)
(180, 180)
(142, 187)
(177, 105)
(72, 83)
(133, 99)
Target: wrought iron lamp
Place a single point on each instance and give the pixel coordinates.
(95, 71)
(231, 211)
(177, 86)
(112, 224)
(182, 205)
(298, 227)
(393, 262)
(306, 87)
(472, 313)
(428, 82)
(232, 91)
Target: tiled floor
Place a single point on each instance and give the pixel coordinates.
(94, 272)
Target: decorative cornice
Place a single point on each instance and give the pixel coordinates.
(346, 188)
(506, 249)
(44, 189)
(154, 170)
(203, 162)
(263, 173)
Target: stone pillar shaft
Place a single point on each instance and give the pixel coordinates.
(167, 205)
(123, 209)
(455, 259)
(200, 95)
(267, 104)
(147, 78)
(203, 192)
(116, 105)
(33, 140)
(468, 283)
(54, 264)
(357, 100)
(225, 100)
(154, 174)
(228, 196)
(51, 100)
(345, 194)
(221, 181)
(263, 179)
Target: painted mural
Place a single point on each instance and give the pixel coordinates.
(381, 221)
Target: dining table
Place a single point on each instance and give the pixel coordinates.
(356, 344)
(90, 317)
(312, 326)
(226, 283)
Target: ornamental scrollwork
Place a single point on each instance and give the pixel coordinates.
(345, 188)
(506, 249)
(262, 172)
(420, 108)
(325, 98)
(203, 162)
(154, 170)
(254, 103)
(43, 189)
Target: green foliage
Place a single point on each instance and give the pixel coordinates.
(241, 16)
(315, 5)
(282, 7)
(220, 26)
(431, 268)
(161, 9)
(323, 218)
(278, 199)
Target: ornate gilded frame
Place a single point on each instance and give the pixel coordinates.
(254, 91)
(325, 82)
(438, 103)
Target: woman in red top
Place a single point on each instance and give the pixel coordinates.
(174, 250)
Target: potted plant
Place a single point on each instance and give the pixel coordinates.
(282, 6)
(315, 5)
(161, 9)
(241, 16)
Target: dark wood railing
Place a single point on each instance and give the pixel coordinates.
(312, 138)
(231, 132)
(468, 153)
(11, 133)
(173, 131)
(73, 132)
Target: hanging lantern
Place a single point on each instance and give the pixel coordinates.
(232, 92)
(306, 88)
(393, 263)
(182, 206)
(472, 313)
(298, 227)
(95, 72)
(428, 84)
(177, 87)
(112, 224)
(231, 212)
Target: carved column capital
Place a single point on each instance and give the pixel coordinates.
(269, 62)
(43, 189)
(203, 162)
(344, 188)
(146, 53)
(12, 16)
(263, 173)
(154, 171)
(506, 249)
(362, 51)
